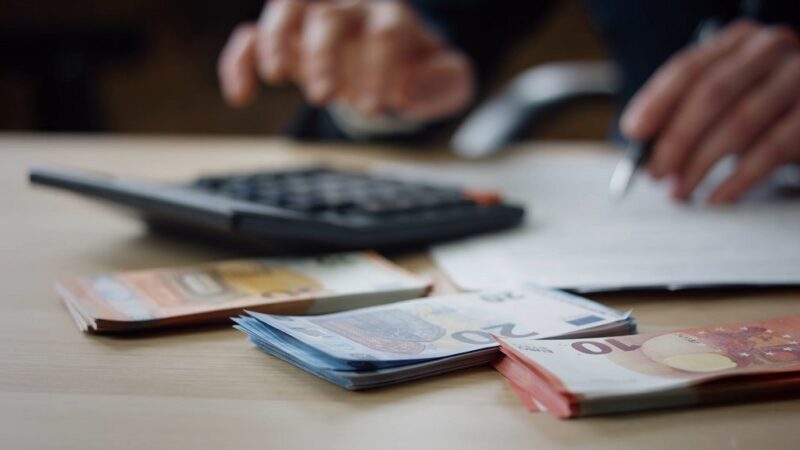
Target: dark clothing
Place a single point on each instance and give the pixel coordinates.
(641, 35)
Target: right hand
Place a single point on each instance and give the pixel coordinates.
(373, 56)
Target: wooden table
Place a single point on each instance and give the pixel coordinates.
(210, 389)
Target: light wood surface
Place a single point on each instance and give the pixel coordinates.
(209, 388)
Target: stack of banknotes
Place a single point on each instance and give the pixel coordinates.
(377, 346)
(724, 363)
(214, 292)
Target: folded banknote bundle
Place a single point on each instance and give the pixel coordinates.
(381, 345)
(721, 363)
(214, 292)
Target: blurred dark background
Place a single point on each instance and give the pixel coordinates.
(149, 66)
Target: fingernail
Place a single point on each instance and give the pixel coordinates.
(656, 169)
(320, 90)
(716, 202)
(718, 198)
(657, 163)
(679, 191)
(628, 122)
(631, 121)
(268, 71)
(235, 89)
(273, 67)
(369, 105)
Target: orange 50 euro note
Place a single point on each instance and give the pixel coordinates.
(723, 363)
(214, 292)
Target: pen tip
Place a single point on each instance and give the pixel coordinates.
(621, 179)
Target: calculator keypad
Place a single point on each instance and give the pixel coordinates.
(321, 190)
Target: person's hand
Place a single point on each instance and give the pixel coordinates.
(373, 56)
(736, 94)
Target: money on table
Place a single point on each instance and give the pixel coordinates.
(392, 343)
(720, 363)
(214, 292)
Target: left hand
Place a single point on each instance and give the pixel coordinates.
(375, 57)
(738, 94)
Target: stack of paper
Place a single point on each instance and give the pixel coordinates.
(389, 344)
(214, 292)
(739, 362)
(575, 238)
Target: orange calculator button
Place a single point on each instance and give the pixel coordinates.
(482, 197)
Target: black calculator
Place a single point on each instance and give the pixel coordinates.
(316, 206)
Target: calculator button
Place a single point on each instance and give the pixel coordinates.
(272, 198)
(324, 192)
(486, 198)
(209, 183)
(237, 190)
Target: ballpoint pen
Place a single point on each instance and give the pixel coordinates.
(638, 152)
(635, 156)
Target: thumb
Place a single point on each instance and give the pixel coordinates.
(441, 86)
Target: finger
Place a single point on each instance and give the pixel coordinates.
(278, 32)
(655, 102)
(351, 73)
(325, 32)
(394, 36)
(442, 86)
(714, 91)
(777, 147)
(236, 67)
(739, 129)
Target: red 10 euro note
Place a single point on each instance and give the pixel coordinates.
(579, 377)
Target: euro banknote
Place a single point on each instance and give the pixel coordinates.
(391, 343)
(215, 291)
(733, 362)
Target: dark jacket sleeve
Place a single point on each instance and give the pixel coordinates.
(642, 35)
(483, 29)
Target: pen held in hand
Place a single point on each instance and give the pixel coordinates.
(635, 157)
(638, 152)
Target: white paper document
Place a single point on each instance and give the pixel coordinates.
(574, 237)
